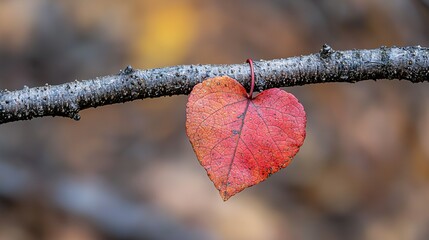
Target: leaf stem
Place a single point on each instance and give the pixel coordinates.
(252, 77)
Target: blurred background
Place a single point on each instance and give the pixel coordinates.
(127, 171)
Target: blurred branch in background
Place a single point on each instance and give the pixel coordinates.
(408, 63)
(101, 205)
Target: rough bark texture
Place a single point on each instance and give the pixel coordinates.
(408, 63)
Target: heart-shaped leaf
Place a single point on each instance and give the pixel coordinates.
(241, 141)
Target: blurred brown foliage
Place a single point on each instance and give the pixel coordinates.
(128, 171)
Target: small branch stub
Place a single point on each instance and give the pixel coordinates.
(127, 70)
(326, 51)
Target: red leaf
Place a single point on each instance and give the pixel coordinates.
(242, 141)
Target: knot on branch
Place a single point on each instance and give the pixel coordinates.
(326, 51)
(75, 116)
(126, 71)
(72, 111)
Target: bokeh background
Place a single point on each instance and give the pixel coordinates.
(127, 171)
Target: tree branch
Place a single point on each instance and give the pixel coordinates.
(408, 63)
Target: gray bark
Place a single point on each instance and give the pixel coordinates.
(406, 63)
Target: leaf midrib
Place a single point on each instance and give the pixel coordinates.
(236, 146)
